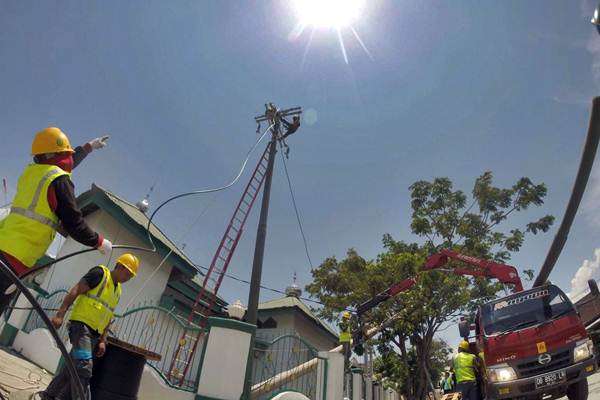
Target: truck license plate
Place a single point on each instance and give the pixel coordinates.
(550, 379)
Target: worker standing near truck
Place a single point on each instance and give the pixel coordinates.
(96, 296)
(466, 369)
(44, 203)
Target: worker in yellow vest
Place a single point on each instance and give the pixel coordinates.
(466, 370)
(44, 203)
(345, 337)
(96, 296)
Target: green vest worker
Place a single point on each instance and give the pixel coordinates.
(96, 296)
(346, 336)
(465, 370)
(45, 201)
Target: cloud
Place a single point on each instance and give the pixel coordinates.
(573, 96)
(588, 269)
(570, 95)
(586, 8)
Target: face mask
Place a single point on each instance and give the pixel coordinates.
(63, 161)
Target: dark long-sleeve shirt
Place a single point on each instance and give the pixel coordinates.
(61, 198)
(65, 206)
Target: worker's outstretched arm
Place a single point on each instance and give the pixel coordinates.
(82, 151)
(81, 288)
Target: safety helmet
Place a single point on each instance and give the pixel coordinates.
(130, 262)
(346, 315)
(464, 345)
(50, 140)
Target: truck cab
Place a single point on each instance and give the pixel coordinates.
(533, 344)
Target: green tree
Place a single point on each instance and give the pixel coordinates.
(443, 218)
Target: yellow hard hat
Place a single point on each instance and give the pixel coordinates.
(130, 262)
(346, 315)
(464, 345)
(50, 140)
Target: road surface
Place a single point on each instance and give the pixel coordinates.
(594, 387)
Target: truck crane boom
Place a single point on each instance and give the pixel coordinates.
(486, 268)
(489, 269)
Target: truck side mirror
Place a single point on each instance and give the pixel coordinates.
(464, 328)
(593, 287)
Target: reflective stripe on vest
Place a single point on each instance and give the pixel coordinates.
(96, 307)
(30, 227)
(464, 367)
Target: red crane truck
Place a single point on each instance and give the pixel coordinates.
(533, 342)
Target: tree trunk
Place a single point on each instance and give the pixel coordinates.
(401, 343)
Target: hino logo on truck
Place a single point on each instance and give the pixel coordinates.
(544, 358)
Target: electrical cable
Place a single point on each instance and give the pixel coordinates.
(32, 271)
(65, 354)
(295, 207)
(35, 270)
(235, 278)
(207, 206)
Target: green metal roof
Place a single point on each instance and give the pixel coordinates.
(291, 302)
(136, 222)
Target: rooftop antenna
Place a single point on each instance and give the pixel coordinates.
(144, 204)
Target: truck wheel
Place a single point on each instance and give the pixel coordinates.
(578, 390)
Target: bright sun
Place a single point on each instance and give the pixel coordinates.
(328, 13)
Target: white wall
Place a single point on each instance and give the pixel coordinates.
(39, 347)
(224, 367)
(152, 387)
(68, 272)
(308, 330)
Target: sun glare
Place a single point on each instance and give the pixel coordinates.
(328, 13)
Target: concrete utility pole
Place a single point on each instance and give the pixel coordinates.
(273, 117)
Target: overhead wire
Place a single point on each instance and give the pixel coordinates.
(18, 281)
(295, 208)
(37, 269)
(235, 278)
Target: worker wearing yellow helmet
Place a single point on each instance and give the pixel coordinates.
(466, 370)
(44, 203)
(345, 337)
(96, 297)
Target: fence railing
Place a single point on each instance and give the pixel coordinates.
(159, 330)
(144, 325)
(287, 362)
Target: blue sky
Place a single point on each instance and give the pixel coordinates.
(452, 89)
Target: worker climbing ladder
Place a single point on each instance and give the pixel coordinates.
(205, 300)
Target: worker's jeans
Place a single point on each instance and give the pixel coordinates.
(84, 342)
(469, 390)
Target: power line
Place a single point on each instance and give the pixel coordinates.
(296, 210)
(235, 278)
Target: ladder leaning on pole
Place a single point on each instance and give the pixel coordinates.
(207, 295)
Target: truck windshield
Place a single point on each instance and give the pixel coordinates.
(524, 309)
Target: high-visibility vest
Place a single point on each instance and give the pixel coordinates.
(30, 227)
(464, 367)
(96, 307)
(345, 335)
